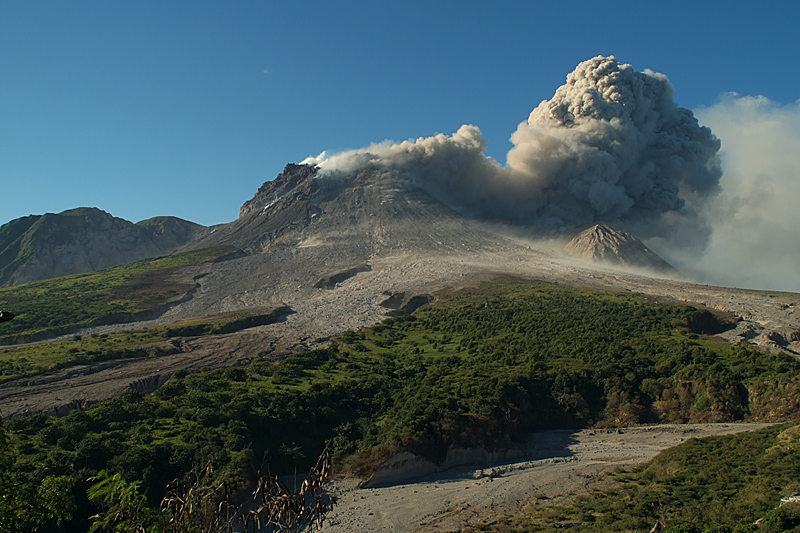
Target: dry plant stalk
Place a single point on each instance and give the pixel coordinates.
(195, 509)
(286, 510)
(274, 506)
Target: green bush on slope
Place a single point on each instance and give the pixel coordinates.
(711, 484)
(476, 369)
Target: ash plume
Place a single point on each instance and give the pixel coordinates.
(755, 218)
(611, 146)
(453, 168)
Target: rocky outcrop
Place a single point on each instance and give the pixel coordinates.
(604, 244)
(281, 207)
(148, 384)
(272, 191)
(401, 303)
(773, 338)
(84, 240)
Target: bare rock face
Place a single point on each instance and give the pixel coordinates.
(317, 235)
(604, 244)
(338, 222)
(272, 191)
(84, 240)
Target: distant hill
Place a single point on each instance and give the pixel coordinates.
(605, 244)
(82, 240)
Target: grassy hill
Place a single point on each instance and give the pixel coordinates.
(480, 368)
(56, 306)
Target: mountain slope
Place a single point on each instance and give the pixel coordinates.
(84, 240)
(605, 244)
(367, 212)
(344, 251)
(301, 228)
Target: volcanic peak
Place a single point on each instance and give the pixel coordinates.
(602, 243)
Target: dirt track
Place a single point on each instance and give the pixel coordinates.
(558, 463)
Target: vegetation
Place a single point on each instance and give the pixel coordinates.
(26, 504)
(56, 306)
(715, 484)
(480, 368)
(34, 359)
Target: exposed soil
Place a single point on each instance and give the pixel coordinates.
(558, 464)
(767, 319)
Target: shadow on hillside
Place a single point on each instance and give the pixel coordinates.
(542, 447)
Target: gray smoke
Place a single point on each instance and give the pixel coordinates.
(611, 146)
(454, 168)
(755, 218)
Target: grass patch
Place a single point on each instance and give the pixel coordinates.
(60, 305)
(40, 358)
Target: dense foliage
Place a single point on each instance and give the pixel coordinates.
(54, 306)
(26, 504)
(714, 484)
(478, 368)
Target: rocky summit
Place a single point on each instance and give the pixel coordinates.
(82, 240)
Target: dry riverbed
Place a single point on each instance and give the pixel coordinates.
(558, 463)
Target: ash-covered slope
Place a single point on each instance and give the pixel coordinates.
(303, 231)
(84, 240)
(607, 245)
(354, 217)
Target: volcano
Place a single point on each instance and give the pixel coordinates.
(370, 212)
(606, 245)
(340, 252)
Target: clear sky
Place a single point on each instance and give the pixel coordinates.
(185, 108)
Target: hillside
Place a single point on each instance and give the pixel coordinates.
(607, 245)
(122, 294)
(714, 484)
(341, 252)
(479, 368)
(82, 240)
(517, 338)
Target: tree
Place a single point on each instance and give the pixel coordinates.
(206, 505)
(125, 507)
(26, 505)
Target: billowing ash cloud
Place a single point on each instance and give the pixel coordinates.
(755, 218)
(611, 146)
(454, 168)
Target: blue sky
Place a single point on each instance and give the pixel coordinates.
(185, 108)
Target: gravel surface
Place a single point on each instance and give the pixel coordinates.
(558, 463)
